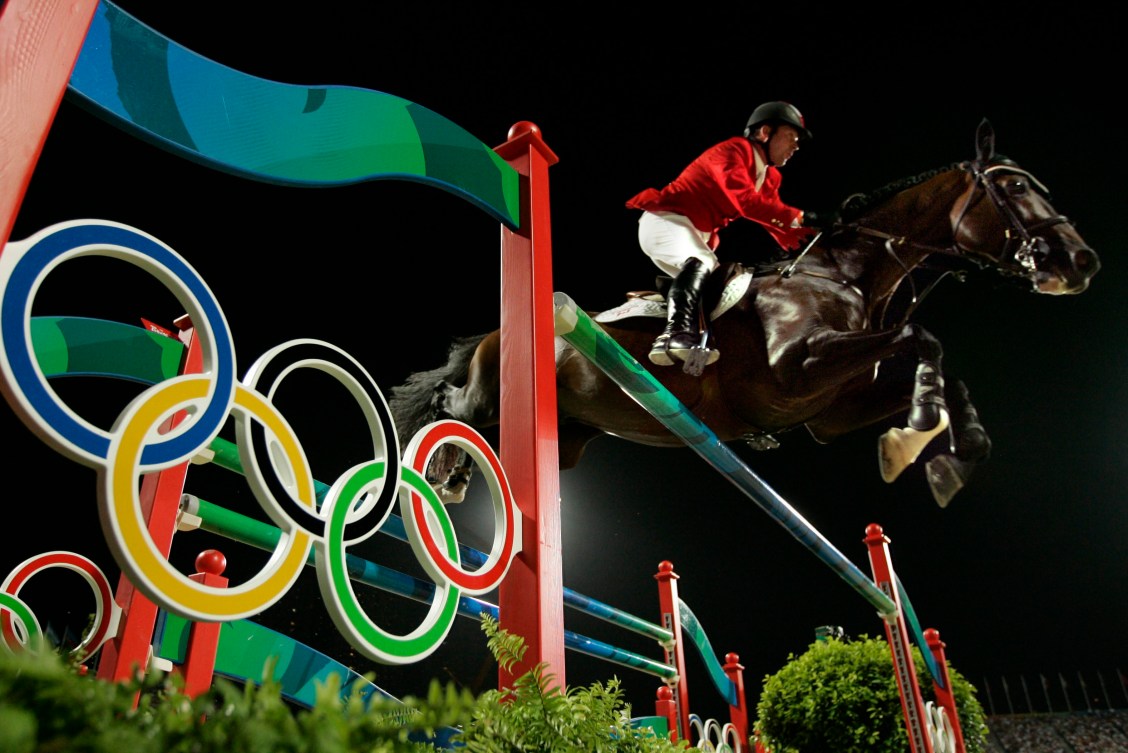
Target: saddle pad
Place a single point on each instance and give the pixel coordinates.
(633, 307)
(733, 292)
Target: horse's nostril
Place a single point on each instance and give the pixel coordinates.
(1086, 261)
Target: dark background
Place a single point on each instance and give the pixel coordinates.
(1023, 574)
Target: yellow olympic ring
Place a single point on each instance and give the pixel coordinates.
(128, 536)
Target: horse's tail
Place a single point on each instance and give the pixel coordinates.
(411, 403)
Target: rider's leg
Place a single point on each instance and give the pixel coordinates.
(682, 315)
(681, 251)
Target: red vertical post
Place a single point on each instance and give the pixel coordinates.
(160, 493)
(738, 714)
(944, 694)
(203, 637)
(39, 43)
(669, 605)
(898, 635)
(665, 707)
(531, 598)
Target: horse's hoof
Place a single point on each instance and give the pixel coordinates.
(891, 455)
(449, 495)
(946, 476)
(897, 449)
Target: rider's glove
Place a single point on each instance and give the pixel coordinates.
(821, 220)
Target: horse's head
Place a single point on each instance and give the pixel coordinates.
(1005, 220)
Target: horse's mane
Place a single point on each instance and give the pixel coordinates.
(856, 205)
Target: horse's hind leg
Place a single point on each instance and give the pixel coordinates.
(948, 473)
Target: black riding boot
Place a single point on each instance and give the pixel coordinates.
(682, 334)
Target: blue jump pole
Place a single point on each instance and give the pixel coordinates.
(587, 337)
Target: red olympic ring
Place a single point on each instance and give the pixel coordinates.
(107, 610)
(423, 445)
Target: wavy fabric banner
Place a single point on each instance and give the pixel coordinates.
(288, 134)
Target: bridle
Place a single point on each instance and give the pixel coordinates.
(1024, 246)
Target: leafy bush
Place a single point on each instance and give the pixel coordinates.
(49, 706)
(534, 715)
(842, 696)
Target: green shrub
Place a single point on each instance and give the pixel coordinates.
(48, 706)
(535, 715)
(842, 696)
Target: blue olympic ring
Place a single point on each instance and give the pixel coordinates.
(30, 262)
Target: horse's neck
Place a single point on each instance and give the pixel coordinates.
(922, 215)
(898, 236)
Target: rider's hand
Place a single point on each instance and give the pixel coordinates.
(821, 220)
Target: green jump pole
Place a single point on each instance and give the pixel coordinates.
(587, 337)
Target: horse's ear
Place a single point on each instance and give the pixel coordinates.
(985, 141)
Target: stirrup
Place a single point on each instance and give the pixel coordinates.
(696, 355)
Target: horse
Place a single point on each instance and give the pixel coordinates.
(812, 341)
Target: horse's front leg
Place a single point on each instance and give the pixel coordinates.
(897, 448)
(948, 472)
(475, 404)
(834, 354)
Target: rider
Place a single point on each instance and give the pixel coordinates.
(737, 178)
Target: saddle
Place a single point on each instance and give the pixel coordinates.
(726, 285)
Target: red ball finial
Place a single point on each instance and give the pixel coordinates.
(211, 561)
(523, 127)
(665, 694)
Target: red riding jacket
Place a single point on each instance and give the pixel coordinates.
(728, 181)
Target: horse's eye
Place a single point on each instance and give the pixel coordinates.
(1016, 187)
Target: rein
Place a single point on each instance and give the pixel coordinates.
(1019, 262)
(890, 242)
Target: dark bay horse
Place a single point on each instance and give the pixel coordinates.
(811, 340)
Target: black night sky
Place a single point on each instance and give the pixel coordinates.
(1025, 571)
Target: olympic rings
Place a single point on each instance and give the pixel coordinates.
(106, 610)
(940, 729)
(713, 737)
(275, 464)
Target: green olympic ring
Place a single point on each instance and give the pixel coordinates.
(336, 585)
(32, 634)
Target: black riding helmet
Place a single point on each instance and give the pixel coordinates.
(777, 112)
